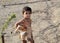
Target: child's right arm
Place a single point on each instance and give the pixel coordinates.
(17, 29)
(18, 23)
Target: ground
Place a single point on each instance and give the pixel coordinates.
(45, 19)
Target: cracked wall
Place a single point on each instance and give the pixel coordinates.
(45, 19)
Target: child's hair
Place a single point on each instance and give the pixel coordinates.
(26, 8)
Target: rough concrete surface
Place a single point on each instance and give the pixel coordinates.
(45, 19)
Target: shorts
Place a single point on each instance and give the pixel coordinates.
(26, 35)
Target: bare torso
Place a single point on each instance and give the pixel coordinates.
(26, 24)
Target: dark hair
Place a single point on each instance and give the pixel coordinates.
(26, 8)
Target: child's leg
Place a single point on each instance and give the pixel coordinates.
(23, 37)
(31, 39)
(24, 41)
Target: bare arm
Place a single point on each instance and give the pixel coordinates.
(18, 23)
(17, 29)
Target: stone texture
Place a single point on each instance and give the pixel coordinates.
(45, 19)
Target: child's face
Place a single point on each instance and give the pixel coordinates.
(27, 14)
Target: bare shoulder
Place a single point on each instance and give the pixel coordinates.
(21, 20)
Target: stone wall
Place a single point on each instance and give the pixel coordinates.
(45, 19)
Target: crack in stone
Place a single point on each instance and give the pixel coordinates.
(40, 35)
(49, 27)
(24, 3)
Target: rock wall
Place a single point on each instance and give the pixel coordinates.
(45, 19)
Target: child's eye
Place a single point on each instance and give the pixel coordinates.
(27, 13)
